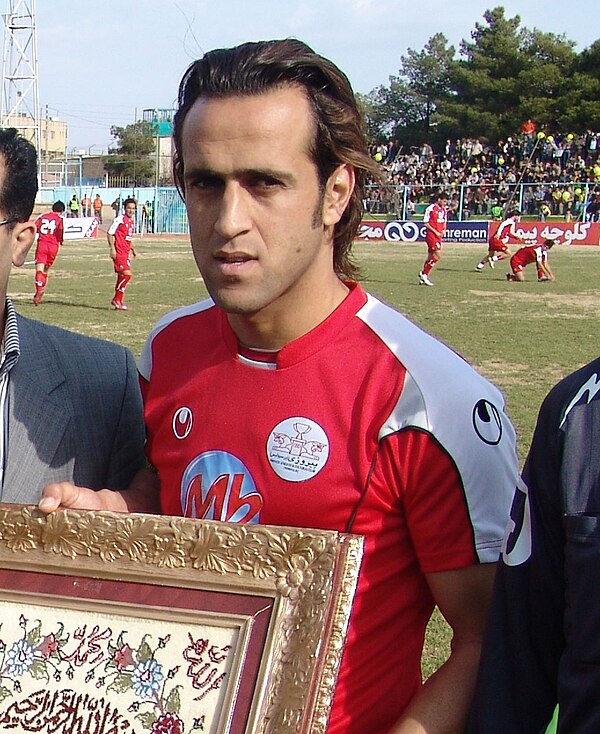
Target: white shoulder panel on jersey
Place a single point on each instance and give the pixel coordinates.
(115, 225)
(446, 397)
(427, 213)
(145, 360)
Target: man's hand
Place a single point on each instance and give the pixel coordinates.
(143, 495)
(68, 496)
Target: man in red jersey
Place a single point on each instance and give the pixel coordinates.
(498, 248)
(293, 397)
(434, 219)
(120, 241)
(49, 232)
(537, 254)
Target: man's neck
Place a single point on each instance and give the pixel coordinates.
(272, 328)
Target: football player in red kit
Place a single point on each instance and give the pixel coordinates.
(435, 218)
(347, 426)
(49, 234)
(120, 241)
(498, 248)
(537, 254)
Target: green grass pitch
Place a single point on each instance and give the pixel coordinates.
(522, 336)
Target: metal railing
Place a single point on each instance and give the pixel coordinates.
(537, 199)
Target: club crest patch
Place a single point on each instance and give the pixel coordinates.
(297, 449)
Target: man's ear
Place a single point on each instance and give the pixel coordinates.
(338, 190)
(23, 235)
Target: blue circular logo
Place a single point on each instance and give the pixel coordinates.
(217, 486)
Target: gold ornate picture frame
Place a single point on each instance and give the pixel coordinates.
(160, 625)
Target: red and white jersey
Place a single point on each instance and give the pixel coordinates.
(437, 216)
(366, 425)
(505, 231)
(49, 228)
(530, 254)
(122, 228)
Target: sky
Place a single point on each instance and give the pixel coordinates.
(102, 63)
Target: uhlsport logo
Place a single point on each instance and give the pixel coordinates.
(182, 422)
(487, 422)
(217, 486)
(297, 449)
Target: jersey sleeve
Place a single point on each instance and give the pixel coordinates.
(115, 225)
(463, 415)
(431, 494)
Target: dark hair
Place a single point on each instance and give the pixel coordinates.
(20, 182)
(259, 67)
(130, 200)
(514, 213)
(58, 206)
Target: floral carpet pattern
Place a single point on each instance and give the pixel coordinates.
(108, 674)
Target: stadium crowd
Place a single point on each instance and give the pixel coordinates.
(557, 172)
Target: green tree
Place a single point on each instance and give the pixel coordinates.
(504, 75)
(427, 75)
(546, 79)
(407, 108)
(485, 80)
(582, 106)
(387, 108)
(131, 158)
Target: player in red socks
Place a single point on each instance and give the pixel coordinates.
(537, 254)
(120, 241)
(49, 233)
(435, 219)
(498, 248)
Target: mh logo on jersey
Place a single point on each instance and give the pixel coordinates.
(217, 486)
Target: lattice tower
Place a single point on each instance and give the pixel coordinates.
(20, 101)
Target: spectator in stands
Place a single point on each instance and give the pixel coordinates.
(493, 170)
(592, 212)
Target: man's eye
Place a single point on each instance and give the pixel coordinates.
(264, 183)
(205, 183)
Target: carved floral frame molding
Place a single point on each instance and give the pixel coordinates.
(310, 577)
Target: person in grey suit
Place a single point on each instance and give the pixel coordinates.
(70, 407)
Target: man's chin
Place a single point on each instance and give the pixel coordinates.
(235, 303)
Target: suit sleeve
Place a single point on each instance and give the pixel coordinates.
(127, 455)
